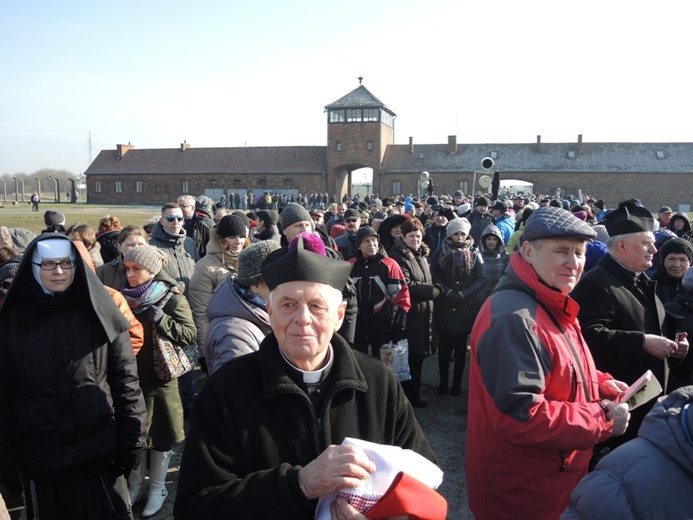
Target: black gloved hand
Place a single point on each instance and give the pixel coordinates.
(203, 364)
(455, 298)
(437, 290)
(155, 314)
(399, 320)
(126, 460)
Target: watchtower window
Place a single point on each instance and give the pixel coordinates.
(336, 116)
(370, 114)
(353, 115)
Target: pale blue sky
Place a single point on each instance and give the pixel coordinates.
(229, 73)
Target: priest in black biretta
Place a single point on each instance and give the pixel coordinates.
(629, 217)
(304, 260)
(265, 434)
(623, 320)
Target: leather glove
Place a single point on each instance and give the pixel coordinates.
(437, 290)
(155, 314)
(126, 460)
(399, 320)
(203, 364)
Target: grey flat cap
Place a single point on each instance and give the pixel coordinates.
(552, 222)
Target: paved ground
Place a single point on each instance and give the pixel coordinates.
(444, 421)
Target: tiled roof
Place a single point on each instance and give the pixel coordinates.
(552, 157)
(268, 160)
(360, 97)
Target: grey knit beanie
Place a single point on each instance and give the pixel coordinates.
(458, 224)
(293, 213)
(149, 257)
(250, 262)
(9, 269)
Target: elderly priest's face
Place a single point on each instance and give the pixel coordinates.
(304, 316)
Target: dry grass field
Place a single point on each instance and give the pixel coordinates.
(22, 216)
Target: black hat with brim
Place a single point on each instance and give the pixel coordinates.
(299, 264)
(628, 218)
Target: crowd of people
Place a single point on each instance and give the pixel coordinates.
(285, 304)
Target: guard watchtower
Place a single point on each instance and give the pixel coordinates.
(359, 129)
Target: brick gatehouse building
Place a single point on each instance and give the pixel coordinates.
(360, 133)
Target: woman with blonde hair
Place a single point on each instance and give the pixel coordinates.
(112, 273)
(226, 241)
(85, 234)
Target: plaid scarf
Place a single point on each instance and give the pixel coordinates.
(143, 296)
(456, 254)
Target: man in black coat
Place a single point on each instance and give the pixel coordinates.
(265, 433)
(622, 319)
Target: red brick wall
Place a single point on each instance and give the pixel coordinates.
(354, 154)
(171, 187)
(654, 190)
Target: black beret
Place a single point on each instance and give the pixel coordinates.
(268, 216)
(676, 245)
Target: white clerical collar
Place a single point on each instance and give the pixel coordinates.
(313, 376)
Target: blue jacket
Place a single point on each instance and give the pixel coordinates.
(648, 477)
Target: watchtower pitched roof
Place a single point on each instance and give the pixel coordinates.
(360, 97)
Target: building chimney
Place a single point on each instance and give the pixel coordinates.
(538, 143)
(184, 145)
(579, 142)
(123, 149)
(452, 144)
(411, 145)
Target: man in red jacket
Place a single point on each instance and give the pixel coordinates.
(537, 401)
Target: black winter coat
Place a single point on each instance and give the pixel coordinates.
(253, 427)
(68, 376)
(452, 315)
(422, 292)
(615, 314)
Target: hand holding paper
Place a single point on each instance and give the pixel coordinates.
(643, 390)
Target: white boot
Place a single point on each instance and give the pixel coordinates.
(158, 468)
(135, 483)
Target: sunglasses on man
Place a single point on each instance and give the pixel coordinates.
(173, 218)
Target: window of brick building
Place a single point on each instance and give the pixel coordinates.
(464, 186)
(185, 187)
(396, 187)
(97, 186)
(157, 189)
(118, 186)
(338, 146)
(369, 146)
(138, 186)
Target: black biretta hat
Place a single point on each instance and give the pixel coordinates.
(629, 217)
(299, 264)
